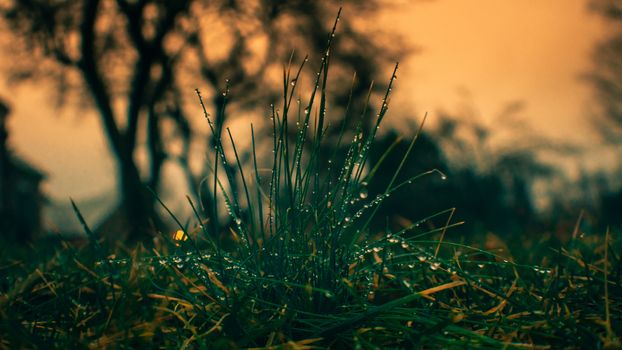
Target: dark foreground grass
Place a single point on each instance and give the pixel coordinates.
(299, 267)
(396, 293)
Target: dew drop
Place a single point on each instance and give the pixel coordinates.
(363, 194)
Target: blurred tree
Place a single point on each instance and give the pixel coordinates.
(488, 182)
(21, 197)
(607, 74)
(494, 168)
(145, 56)
(607, 79)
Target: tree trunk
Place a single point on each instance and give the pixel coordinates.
(135, 219)
(135, 202)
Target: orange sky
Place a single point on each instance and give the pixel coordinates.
(497, 50)
(501, 51)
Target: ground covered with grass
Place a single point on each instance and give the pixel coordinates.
(395, 293)
(297, 266)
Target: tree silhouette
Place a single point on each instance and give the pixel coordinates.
(488, 184)
(139, 61)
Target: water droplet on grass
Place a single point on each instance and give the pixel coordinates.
(363, 193)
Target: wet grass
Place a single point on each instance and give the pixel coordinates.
(298, 266)
(396, 292)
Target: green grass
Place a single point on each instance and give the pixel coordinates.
(299, 267)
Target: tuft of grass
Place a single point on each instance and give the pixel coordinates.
(296, 266)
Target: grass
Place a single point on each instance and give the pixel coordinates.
(299, 268)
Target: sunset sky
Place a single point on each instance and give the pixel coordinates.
(485, 53)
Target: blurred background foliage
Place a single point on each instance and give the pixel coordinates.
(139, 60)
